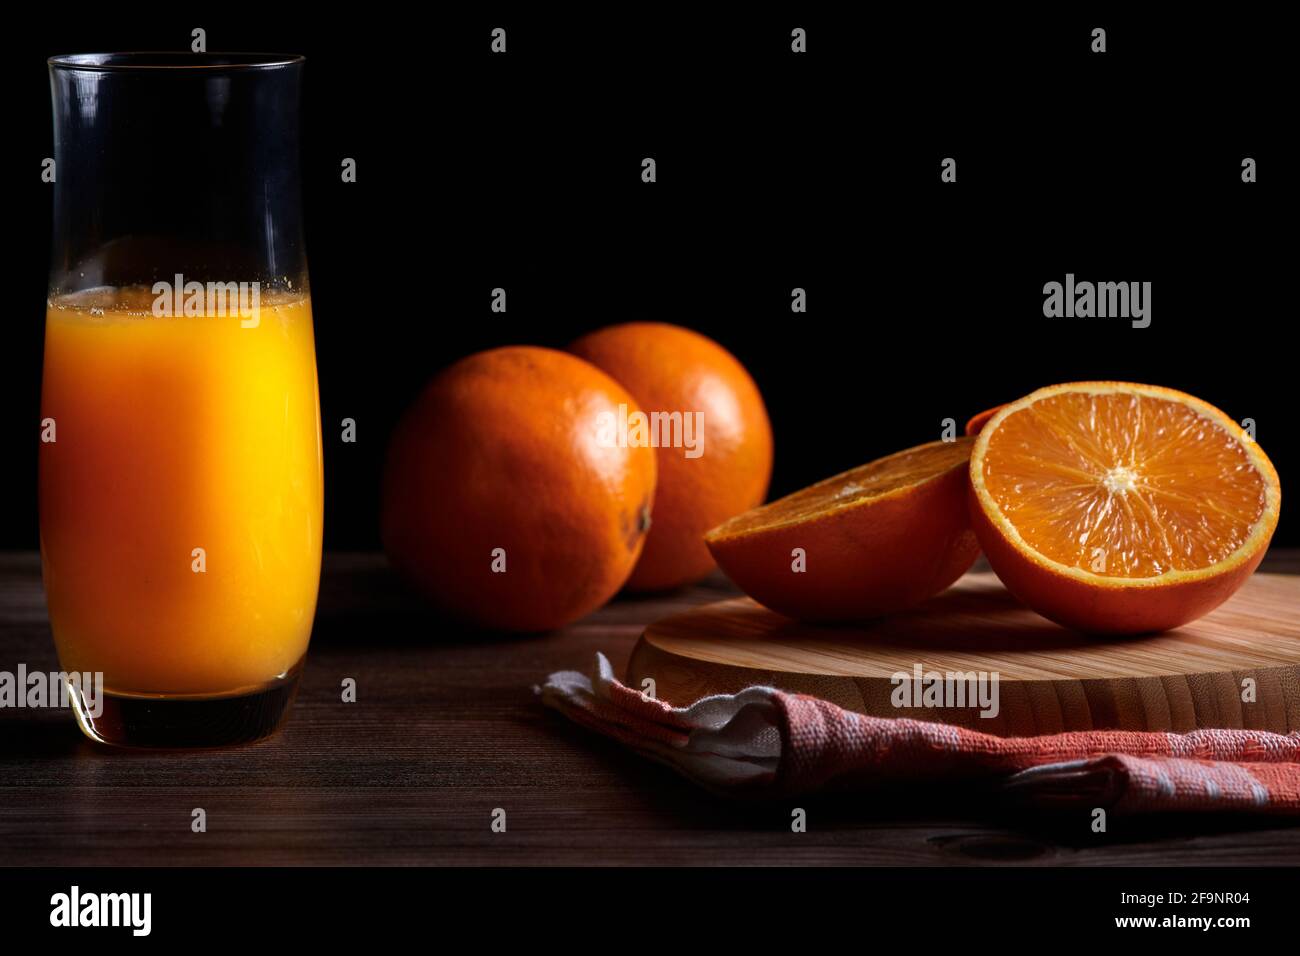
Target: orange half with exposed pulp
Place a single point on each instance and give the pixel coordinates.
(877, 539)
(1113, 507)
(977, 422)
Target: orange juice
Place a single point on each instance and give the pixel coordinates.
(181, 495)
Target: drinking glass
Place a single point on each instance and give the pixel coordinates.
(180, 459)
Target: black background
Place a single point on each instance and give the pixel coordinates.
(774, 171)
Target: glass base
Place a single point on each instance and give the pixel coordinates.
(184, 723)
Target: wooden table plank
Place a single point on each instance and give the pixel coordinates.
(446, 728)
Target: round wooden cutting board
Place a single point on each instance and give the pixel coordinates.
(1049, 679)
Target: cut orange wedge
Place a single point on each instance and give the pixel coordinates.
(877, 539)
(1120, 508)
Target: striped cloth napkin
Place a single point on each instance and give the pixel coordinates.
(764, 741)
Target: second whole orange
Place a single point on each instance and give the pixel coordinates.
(713, 438)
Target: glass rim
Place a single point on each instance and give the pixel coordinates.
(173, 61)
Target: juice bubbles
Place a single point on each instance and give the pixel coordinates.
(181, 497)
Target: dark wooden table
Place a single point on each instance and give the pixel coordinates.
(445, 730)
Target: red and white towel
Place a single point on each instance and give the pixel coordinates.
(763, 740)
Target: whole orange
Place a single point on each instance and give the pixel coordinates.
(674, 371)
(504, 500)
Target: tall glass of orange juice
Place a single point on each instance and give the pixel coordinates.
(180, 456)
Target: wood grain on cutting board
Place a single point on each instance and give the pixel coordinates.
(1049, 679)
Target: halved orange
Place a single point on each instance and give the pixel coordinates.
(977, 422)
(1113, 507)
(874, 540)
